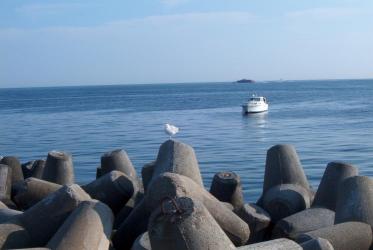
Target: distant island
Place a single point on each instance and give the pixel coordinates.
(245, 81)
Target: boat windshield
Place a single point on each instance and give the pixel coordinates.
(255, 99)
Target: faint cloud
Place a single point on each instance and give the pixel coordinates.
(48, 8)
(196, 17)
(325, 13)
(173, 3)
(134, 50)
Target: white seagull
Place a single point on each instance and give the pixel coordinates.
(171, 130)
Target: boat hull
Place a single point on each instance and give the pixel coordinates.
(247, 109)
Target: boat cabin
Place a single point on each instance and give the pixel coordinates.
(258, 99)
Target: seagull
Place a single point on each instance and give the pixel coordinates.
(171, 130)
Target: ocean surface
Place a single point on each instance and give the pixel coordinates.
(324, 120)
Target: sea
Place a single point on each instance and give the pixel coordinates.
(326, 120)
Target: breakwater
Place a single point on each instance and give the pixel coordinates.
(168, 207)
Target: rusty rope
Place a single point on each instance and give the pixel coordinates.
(178, 210)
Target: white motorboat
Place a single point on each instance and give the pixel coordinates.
(255, 104)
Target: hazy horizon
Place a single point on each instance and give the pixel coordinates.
(172, 83)
(63, 43)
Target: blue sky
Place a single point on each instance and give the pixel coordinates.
(52, 43)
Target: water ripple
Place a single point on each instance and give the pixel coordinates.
(325, 121)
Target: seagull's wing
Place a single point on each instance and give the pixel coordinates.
(167, 129)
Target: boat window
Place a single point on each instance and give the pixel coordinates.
(255, 99)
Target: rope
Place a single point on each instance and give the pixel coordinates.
(177, 209)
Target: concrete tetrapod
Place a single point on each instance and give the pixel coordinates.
(142, 242)
(5, 182)
(15, 165)
(38, 169)
(33, 169)
(283, 167)
(228, 205)
(31, 191)
(175, 185)
(177, 157)
(285, 189)
(335, 173)
(117, 160)
(355, 200)
(37, 225)
(7, 214)
(44, 218)
(2, 205)
(321, 214)
(344, 236)
(317, 244)
(123, 213)
(257, 219)
(284, 200)
(135, 224)
(32, 248)
(13, 235)
(88, 227)
(114, 189)
(307, 220)
(27, 169)
(184, 223)
(278, 244)
(59, 168)
(226, 187)
(147, 174)
(98, 172)
(127, 209)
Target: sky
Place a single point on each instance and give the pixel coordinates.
(55, 43)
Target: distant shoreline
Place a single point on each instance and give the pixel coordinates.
(175, 83)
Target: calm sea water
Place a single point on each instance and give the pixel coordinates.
(324, 120)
